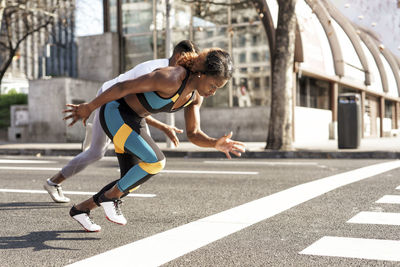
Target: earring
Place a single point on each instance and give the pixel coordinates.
(198, 75)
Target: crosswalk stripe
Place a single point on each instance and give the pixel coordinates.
(181, 240)
(370, 217)
(360, 248)
(389, 199)
(66, 192)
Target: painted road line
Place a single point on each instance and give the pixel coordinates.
(67, 192)
(370, 217)
(24, 161)
(398, 188)
(269, 163)
(29, 168)
(169, 245)
(209, 172)
(389, 199)
(360, 248)
(163, 171)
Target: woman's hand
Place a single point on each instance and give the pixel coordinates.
(77, 112)
(171, 131)
(227, 145)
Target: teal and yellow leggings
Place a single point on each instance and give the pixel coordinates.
(138, 155)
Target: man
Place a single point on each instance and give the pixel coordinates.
(99, 140)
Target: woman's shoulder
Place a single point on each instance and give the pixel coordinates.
(168, 79)
(172, 73)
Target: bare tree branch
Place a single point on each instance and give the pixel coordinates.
(23, 18)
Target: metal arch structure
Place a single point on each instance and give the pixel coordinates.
(393, 65)
(352, 34)
(325, 20)
(373, 48)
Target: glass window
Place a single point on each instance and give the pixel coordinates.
(388, 109)
(255, 56)
(137, 50)
(313, 93)
(242, 57)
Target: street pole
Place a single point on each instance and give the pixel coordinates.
(170, 116)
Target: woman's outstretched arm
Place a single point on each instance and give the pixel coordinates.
(199, 138)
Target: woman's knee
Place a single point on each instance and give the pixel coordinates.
(153, 167)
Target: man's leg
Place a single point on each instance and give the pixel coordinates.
(97, 149)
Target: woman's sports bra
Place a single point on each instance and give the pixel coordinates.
(154, 103)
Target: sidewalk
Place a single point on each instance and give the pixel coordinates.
(374, 148)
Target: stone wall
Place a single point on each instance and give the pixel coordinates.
(47, 99)
(247, 124)
(98, 57)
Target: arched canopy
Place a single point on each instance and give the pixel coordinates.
(325, 20)
(353, 37)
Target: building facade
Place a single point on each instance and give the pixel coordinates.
(332, 56)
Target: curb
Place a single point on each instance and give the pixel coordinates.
(299, 154)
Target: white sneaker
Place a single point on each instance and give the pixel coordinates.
(113, 211)
(83, 219)
(56, 193)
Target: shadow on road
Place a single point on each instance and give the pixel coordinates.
(32, 205)
(36, 240)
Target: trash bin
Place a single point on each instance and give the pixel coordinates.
(349, 120)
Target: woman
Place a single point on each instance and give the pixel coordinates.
(100, 141)
(123, 109)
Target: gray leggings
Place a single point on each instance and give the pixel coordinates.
(95, 152)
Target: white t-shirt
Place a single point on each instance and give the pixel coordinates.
(137, 71)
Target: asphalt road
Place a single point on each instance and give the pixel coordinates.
(289, 216)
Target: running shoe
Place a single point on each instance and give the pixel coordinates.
(112, 208)
(83, 218)
(56, 193)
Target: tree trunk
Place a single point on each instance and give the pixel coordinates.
(280, 124)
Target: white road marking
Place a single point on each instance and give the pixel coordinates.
(169, 245)
(270, 163)
(29, 168)
(398, 188)
(360, 248)
(389, 199)
(24, 161)
(163, 171)
(209, 172)
(369, 217)
(65, 192)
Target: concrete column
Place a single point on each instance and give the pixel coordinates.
(334, 107)
(362, 112)
(396, 115)
(381, 114)
(294, 88)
